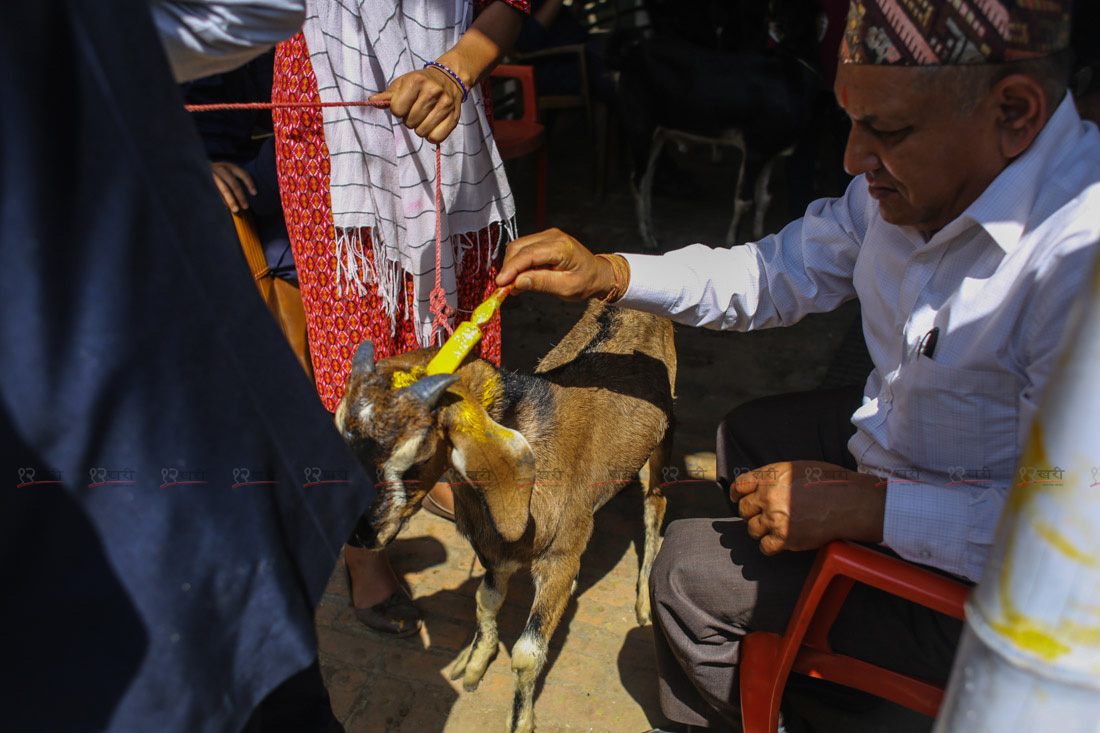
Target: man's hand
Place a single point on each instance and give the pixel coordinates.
(228, 178)
(801, 505)
(428, 100)
(553, 262)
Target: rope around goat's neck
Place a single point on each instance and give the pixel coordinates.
(440, 310)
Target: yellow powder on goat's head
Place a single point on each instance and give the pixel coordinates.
(490, 393)
(401, 379)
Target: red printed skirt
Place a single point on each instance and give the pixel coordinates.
(338, 323)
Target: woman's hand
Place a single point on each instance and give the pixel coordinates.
(427, 100)
(553, 262)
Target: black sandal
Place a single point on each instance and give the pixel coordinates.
(396, 616)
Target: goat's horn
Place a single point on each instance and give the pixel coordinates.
(364, 358)
(429, 389)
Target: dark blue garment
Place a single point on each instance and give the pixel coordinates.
(267, 208)
(228, 134)
(133, 345)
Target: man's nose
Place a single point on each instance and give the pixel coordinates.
(860, 155)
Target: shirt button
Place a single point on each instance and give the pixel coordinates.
(925, 554)
(886, 397)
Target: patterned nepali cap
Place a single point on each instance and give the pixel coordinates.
(941, 32)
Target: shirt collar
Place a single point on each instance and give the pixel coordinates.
(1004, 208)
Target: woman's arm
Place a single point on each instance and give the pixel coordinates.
(429, 100)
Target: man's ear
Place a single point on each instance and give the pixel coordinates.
(496, 461)
(1023, 111)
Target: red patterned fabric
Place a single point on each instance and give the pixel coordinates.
(337, 324)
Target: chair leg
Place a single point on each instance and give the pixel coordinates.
(739, 206)
(763, 194)
(760, 696)
(601, 135)
(540, 190)
(643, 199)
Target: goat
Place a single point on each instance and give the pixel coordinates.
(532, 458)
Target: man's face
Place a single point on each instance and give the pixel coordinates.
(925, 163)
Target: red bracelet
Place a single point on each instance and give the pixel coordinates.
(621, 275)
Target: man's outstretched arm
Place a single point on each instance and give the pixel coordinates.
(805, 268)
(204, 37)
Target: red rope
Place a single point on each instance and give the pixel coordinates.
(440, 310)
(278, 105)
(439, 307)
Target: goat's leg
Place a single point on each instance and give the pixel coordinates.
(473, 662)
(654, 516)
(555, 579)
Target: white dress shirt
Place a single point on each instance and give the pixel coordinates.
(204, 37)
(945, 431)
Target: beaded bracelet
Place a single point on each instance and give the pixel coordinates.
(448, 72)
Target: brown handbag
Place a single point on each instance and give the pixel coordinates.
(283, 298)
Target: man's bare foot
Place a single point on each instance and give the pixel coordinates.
(372, 578)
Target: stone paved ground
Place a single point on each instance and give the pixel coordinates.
(600, 672)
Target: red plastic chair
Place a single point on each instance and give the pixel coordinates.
(524, 135)
(767, 659)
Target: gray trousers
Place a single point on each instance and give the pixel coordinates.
(711, 585)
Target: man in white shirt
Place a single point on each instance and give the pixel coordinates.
(967, 233)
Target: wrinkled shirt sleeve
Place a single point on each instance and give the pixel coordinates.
(953, 526)
(805, 268)
(204, 38)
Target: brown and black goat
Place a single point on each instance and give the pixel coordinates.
(530, 457)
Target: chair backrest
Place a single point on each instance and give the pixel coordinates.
(525, 76)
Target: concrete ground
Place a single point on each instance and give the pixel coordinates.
(600, 675)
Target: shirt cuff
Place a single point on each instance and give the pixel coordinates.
(648, 289)
(929, 525)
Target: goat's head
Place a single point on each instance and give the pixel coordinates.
(412, 427)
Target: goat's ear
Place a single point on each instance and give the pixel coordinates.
(495, 460)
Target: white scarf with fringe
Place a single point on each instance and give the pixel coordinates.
(382, 173)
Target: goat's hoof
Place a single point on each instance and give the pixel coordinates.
(475, 671)
(526, 724)
(642, 612)
(460, 664)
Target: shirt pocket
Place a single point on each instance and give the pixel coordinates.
(951, 422)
